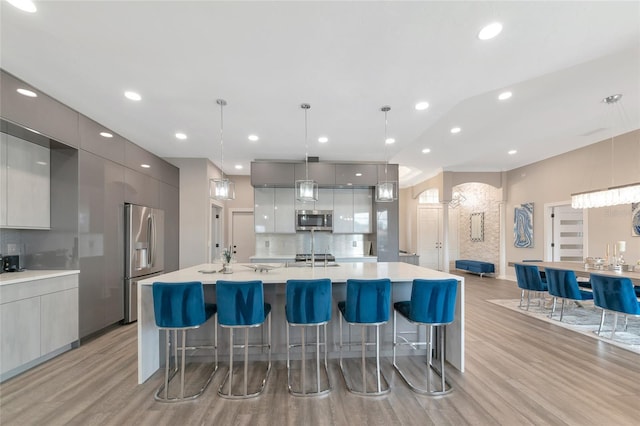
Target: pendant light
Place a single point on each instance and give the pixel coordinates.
(386, 191)
(222, 189)
(614, 195)
(306, 190)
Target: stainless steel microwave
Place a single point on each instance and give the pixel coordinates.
(316, 220)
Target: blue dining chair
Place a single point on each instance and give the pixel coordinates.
(181, 307)
(528, 278)
(563, 284)
(615, 294)
(308, 305)
(432, 304)
(367, 305)
(241, 306)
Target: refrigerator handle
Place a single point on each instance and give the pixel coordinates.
(152, 240)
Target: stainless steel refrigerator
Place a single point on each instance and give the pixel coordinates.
(144, 252)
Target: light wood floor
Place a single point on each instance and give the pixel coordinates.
(519, 371)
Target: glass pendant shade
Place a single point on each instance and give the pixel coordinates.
(614, 196)
(222, 189)
(306, 191)
(386, 192)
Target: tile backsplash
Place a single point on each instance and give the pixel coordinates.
(340, 245)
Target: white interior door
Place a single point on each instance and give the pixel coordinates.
(568, 234)
(429, 240)
(243, 237)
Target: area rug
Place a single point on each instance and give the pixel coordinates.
(583, 318)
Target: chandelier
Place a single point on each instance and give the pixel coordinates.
(307, 189)
(222, 189)
(386, 191)
(612, 196)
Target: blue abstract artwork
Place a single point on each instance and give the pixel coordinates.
(635, 219)
(523, 226)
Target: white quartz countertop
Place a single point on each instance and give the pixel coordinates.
(396, 271)
(31, 275)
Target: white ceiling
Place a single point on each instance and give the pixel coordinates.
(347, 59)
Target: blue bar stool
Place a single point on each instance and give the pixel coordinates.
(241, 306)
(180, 307)
(615, 294)
(563, 284)
(528, 278)
(433, 304)
(367, 305)
(308, 304)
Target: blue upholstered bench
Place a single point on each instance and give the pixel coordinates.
(476, 266)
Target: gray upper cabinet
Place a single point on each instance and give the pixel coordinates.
(391, 175)
(42, 113)
(272, 174)
(91, 141)
(324, 174)
(137, 158)
(356, 174)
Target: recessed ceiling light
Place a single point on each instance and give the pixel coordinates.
(504, 96)
(106, 135)
(238, 167)
(490, 31)
(24, 5)
(426, 150)
(145, 166)
(132, 96)
(42, 163)
(181, 136)
(323, 139)
(389, 141)
(253, 138)
(512, 152)
(421, 106)
(358, 174)
(455, 130)
(28, 93)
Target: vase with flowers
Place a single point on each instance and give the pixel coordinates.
(227, 257)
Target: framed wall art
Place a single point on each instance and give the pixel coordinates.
(523, 226)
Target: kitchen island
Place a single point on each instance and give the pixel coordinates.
(401, 275)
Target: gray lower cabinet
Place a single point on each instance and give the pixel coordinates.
(38, 319)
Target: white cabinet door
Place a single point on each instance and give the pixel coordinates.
(362, 207)
(263, 210)
(284, 211)
(28, 187)
(325, 199)
(20, 333)
(59, 320)
(343, 211)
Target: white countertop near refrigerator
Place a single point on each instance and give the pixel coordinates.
(31, 275)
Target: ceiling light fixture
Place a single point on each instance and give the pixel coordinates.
(455, 130)
(421, 106)
(132, 96)
(306, 190)
(426, 151)
(504, 96)
(145, 166)
(386, 191)
(512, 152)
(222, 189)
(389, 141)
(323, 139)
(238, 167)
(24, 5)
(253, 138)
(28, 93)
(181, 136)
(106, 135)
(614, 195)
(490, 31)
